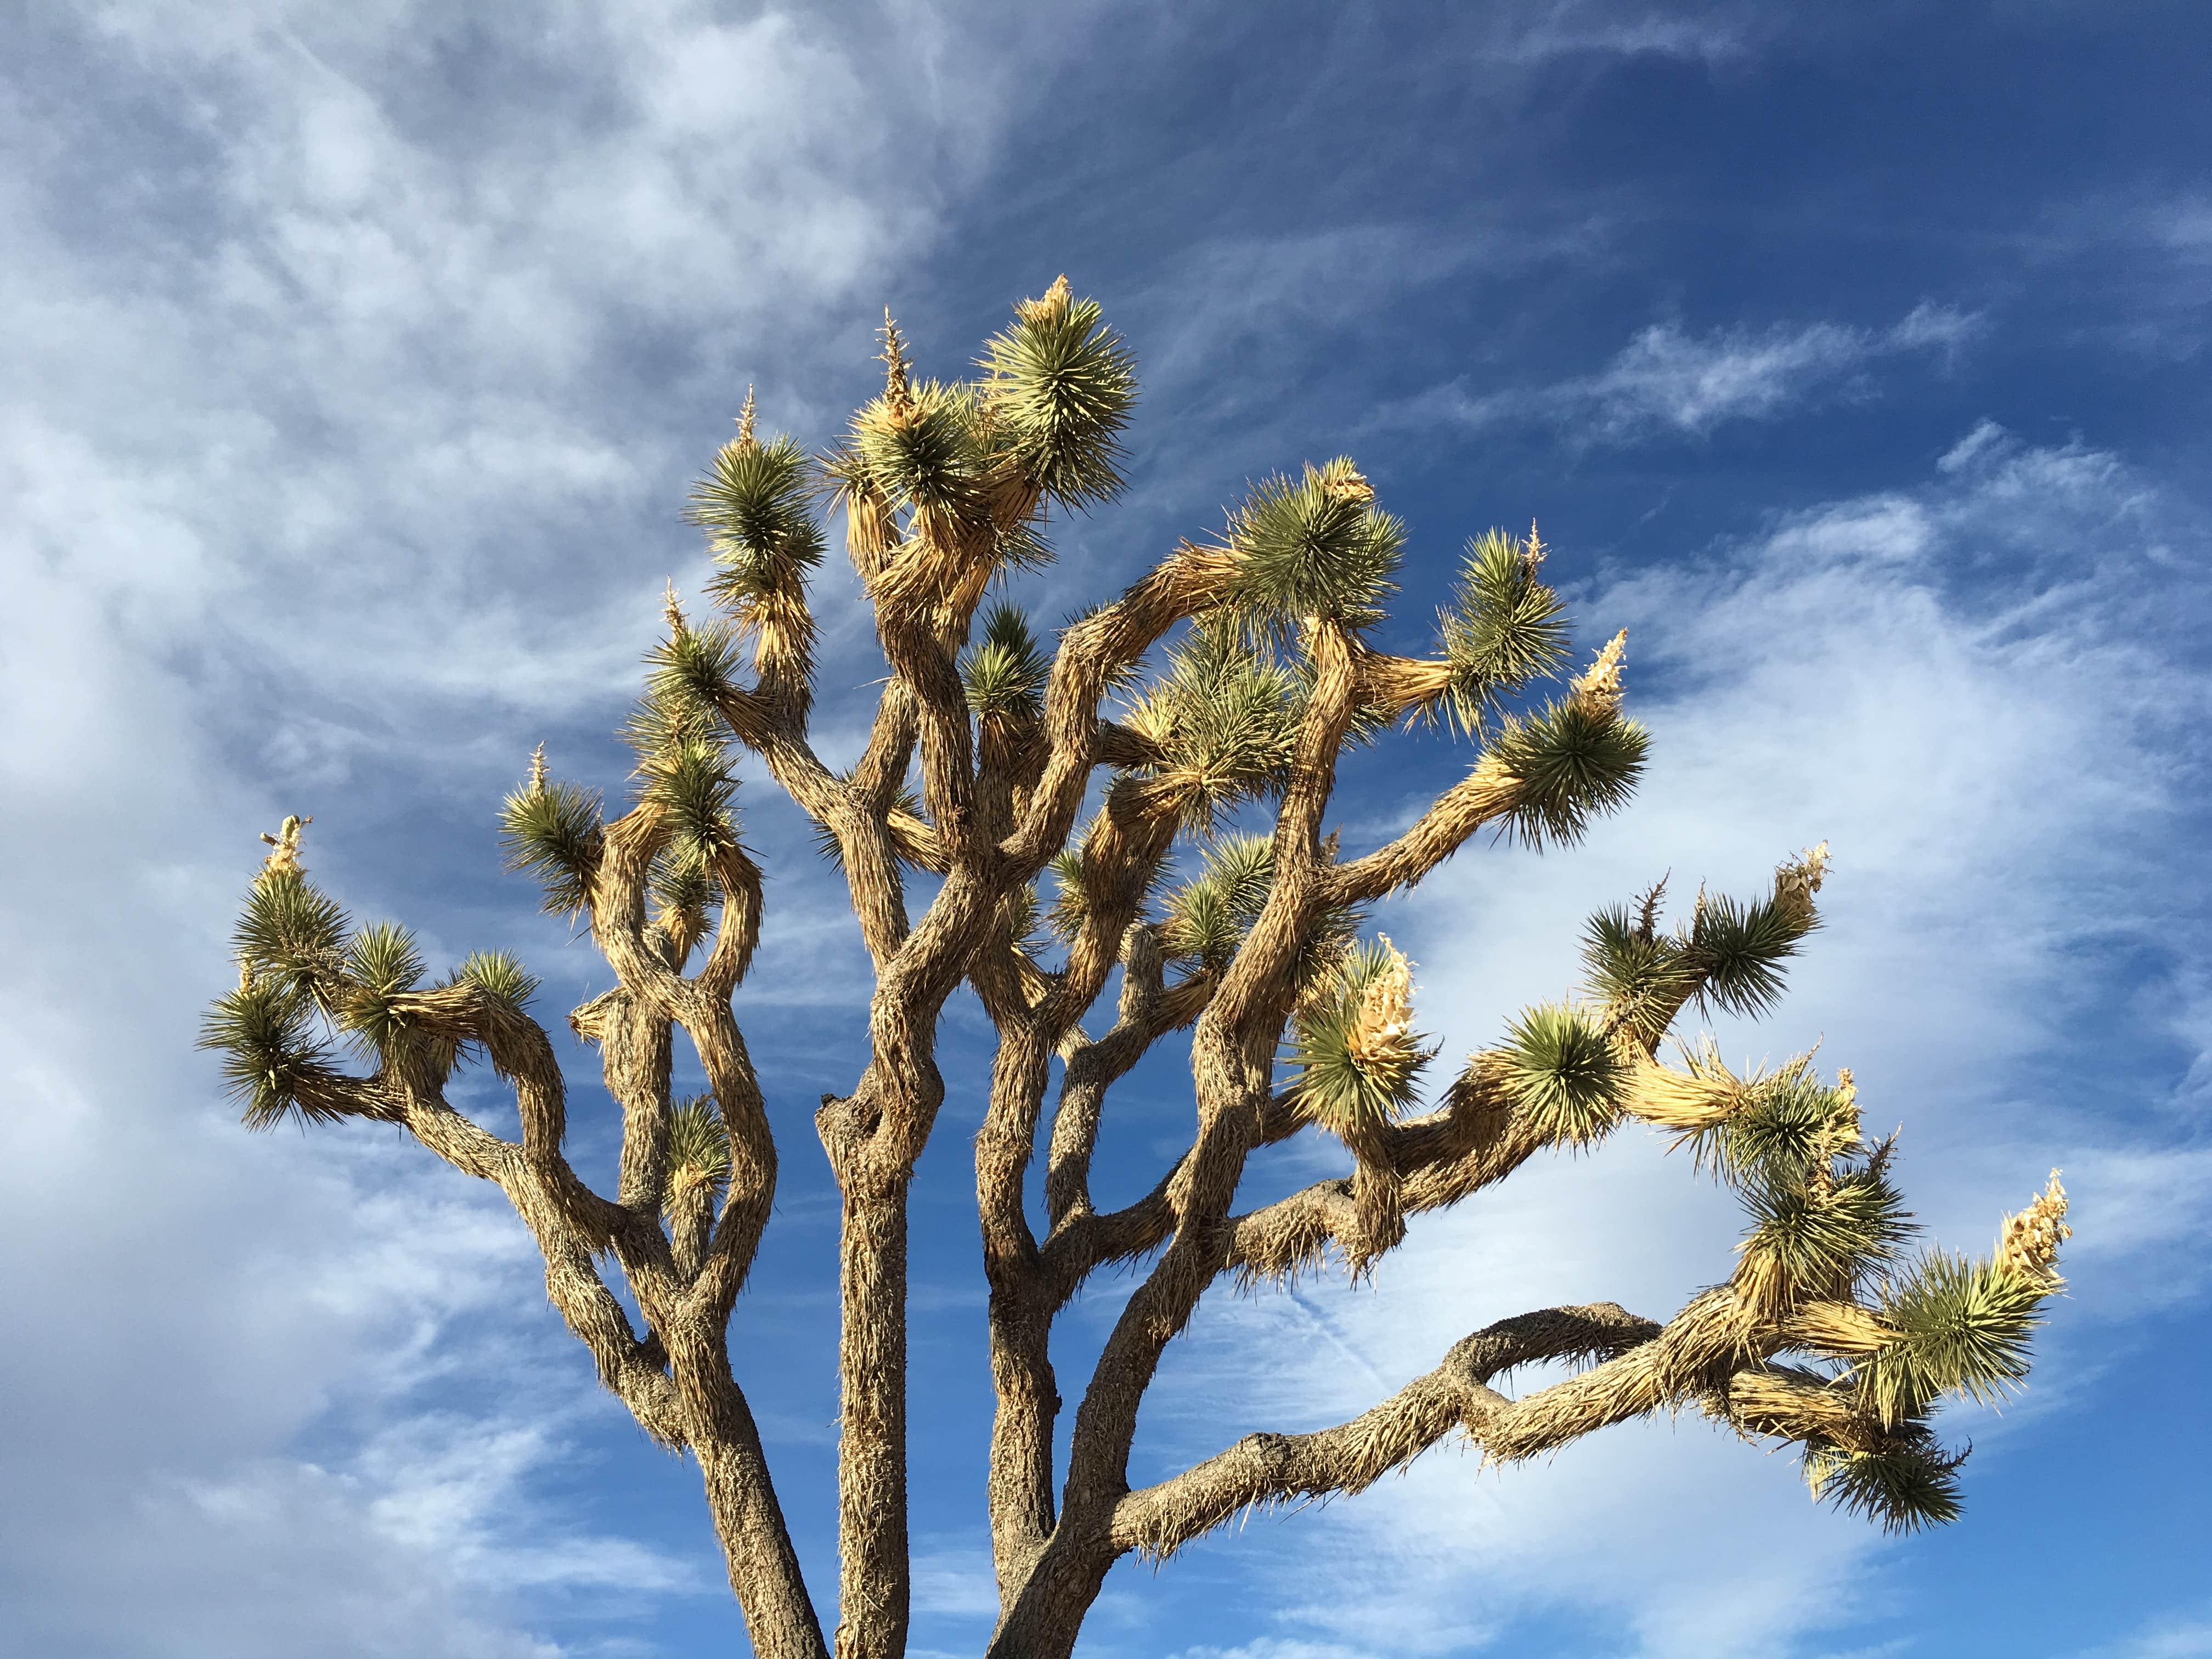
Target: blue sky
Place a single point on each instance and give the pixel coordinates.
(357, 360)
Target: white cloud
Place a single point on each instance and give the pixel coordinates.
(1993, 739)
(955, 1582)
(2163, 1638)
(1667, 380)
(357, 435)
(1665, 377)
(1562, 28)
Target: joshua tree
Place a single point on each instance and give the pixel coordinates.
(1215, 695)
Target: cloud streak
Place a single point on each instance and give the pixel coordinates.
(1668, 381)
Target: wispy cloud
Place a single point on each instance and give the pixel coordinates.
(954, 1582)
(1566, 29)
(2163, 1638)
(375, 402)
(1666, 380)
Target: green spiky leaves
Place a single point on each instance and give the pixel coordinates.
(1223, 721)
(1638, 973)
(690, 781)
(1904, 1485)
(1355, 1058)
(1318, 547)
(1955, 1327)
(382, 966)
(925, 449)
(1820, 1239)
(292, 933)
(1738, 949)
(1732, 953)
(555, 832)
(756, 505)
(1502, 629)
(1208, 917)
(273, 1065)
(688, 674)
(1781, 1130)
(1943, 1328)
(498, 974)
(1005, 671)
(1824, 1212)
(302, 980)
(1064, 915)
(1060, 385)
(1565, 1074)
(1578, 758)
(698, 1154)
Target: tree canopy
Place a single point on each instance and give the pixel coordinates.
(1133, 806)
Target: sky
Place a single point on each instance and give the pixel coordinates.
(353, 362)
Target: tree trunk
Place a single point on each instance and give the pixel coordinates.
(764, 1571)
(873, 1576)
(1044, 1616)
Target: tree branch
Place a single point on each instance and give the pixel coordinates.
(1264, 1469)
(1091, 652)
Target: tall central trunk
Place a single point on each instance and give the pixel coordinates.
(1043, 1619)
(780, 1618)
(873, 1576)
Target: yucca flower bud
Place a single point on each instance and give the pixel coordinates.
(2027, 1243)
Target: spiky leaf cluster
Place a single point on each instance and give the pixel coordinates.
(499, 975)
(1502, 629)
(1064, 914)
(1737, 949)
(383, 965)
(756, 505)
(555, 832)
(1355, 1060)
(1565, 1074)
(1207, 916)
(1906, 1484)
(688, 674)
(698, 1151)
(1824, 1212)
(690, 781)
(1955, 1326)
(293, 934)
(1783, 1130)
(1074, 874)
(1021, 545)
(1224, 721)
(1318, 547)
(1820, 1237)
(1731, 952)
(1640, 976)
(1060, 385)
(1943, 1327)
(1022, 918)
(1577, 759)
(928, 449)
(272, 1063)
(1005, 671)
